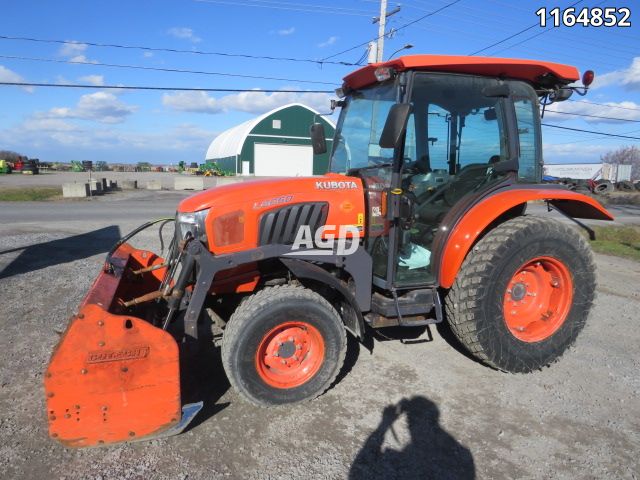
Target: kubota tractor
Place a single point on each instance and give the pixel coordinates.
(421, 219)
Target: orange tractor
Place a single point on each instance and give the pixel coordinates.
(421, 219)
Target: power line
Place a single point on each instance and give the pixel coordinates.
(605, 105)
(434, 12)
(160, 69)
(594, 116)
(591, 131)
(591, 138)
(142, 87)
(517, 33)
(169, 50)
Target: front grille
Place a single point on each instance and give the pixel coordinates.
(280, 227)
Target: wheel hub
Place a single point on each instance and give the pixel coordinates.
(538, 299)
(287, 349)
(290, 354)
(518, 291)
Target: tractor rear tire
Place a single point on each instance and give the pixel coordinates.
(523, 294)
(284, 344)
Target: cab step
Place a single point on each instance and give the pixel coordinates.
(414, 308)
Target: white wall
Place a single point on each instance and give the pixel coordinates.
(282, 160)
(573, 170)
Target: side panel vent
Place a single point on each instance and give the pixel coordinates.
(281, 226)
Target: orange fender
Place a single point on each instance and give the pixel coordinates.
(465, 233)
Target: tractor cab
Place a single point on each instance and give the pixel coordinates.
(469, 126)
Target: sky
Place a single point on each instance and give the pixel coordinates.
(165, 127)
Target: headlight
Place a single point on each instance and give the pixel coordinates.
(192, 222)
(228, 229)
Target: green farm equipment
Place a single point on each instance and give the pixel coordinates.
(4, 167)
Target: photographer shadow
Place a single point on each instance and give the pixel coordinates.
(432, 453)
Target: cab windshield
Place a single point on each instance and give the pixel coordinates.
(359, 128)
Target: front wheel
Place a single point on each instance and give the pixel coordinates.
(523, 294)
(284, 344)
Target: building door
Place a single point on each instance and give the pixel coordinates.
(282, 160)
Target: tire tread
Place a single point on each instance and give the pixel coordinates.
(464, 300)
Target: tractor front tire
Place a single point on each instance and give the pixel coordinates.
(523, 294)
(284, 344)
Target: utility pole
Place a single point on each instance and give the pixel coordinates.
(382, 21)
(381, 31)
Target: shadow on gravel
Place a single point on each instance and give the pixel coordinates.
(448, 336)
(202, 377)
(42, 255)
(432, 453)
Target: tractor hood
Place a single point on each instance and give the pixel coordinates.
(240, 206)
(270, 191)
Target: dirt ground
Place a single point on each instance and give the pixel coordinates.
(422, 410)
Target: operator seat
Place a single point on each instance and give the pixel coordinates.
(431, 210)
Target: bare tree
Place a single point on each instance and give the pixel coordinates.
(9, 156)
(625, 156)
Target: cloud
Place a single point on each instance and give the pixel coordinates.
(328, 42)
(250, 102)
(576, 152)
(147, 54)
(184, 33)
(7, 75)
(72, 48)
(103, 107)
(97, 80)
(285, 31)
(74, 51)
(47, 133)
(596, 110)
(628, 78)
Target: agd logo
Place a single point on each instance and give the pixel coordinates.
(325, 241)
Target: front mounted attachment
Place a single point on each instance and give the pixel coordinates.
(112, 378)
(115, 377)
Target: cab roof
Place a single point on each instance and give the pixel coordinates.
(540, 74)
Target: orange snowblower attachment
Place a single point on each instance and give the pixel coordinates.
(115, 377)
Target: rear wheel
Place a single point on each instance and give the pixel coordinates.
(284, 344)
(523, 294)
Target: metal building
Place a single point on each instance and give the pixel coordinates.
(276, 143)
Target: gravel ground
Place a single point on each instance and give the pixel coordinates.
(424, 410)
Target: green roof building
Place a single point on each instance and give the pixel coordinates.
(276, 143)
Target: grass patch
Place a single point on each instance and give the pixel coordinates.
(620, 198)
(619, 241)
(29, 194)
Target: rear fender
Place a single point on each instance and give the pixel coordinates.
(478, 218)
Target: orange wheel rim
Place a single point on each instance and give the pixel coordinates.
(538, 299)
(290, 354)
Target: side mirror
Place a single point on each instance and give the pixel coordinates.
(318, 139)
(395, 125)
(560, 95)
(490, 114)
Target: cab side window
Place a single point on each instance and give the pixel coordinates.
(528, 117)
